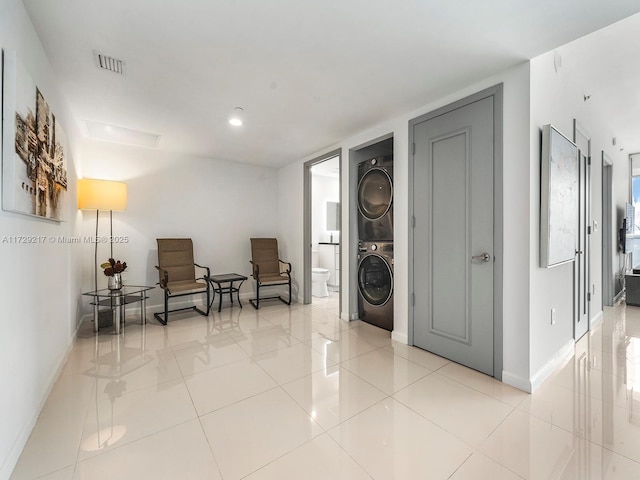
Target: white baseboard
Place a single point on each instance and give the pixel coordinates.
(543, 373)
(516, 381)
(596, 321)
(87, 317)
(548, 368)
(400, 337)
(16, 450)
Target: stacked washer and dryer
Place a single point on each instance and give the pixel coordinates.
(375, 246)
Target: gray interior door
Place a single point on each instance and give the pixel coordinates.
(581, 269)
(453, 190)
(582, 292)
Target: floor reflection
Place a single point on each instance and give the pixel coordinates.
(290, 392)
(115, 358)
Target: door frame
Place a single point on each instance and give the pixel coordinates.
(307, 196)
(496, 92)
(608, 283)
(583, 276)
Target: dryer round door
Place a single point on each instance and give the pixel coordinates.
(375, 280)
(375, 193)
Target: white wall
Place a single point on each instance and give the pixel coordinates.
(620, 198)
(516, 233)
(290, 222)
(219, 204)
(39, 282)
(557, 98)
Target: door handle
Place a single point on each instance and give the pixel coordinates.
(484, 257)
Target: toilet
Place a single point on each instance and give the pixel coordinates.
(319, 277)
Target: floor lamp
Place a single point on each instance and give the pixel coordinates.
(99, 195)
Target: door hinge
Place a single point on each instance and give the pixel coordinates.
(589, 160)
(413, 299)
(589, 297)
(413, 148)
(413, 222)
(589, 230)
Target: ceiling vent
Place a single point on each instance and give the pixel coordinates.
(105, 62)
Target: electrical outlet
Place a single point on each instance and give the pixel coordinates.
(553, 316)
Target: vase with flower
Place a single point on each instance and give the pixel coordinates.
(113, 269)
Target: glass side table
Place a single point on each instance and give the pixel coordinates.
(116, 301)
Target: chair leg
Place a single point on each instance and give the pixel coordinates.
(256, 303)
(208, 298)
(163, 320)
(166, 307)
(163, 317)
(286, 302)
(208, 309)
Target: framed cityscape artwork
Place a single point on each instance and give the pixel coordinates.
(34, 166)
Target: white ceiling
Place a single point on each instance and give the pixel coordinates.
(608, 65)
(307, 73)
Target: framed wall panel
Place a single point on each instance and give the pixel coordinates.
(559, 199)
(34, 147)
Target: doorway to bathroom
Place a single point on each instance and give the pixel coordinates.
(322, 220)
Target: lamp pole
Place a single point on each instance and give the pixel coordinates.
(95, 275)
(111, 231)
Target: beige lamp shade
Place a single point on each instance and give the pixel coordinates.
(101, 194)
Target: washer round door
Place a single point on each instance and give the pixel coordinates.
(375, 280)
(375, 193)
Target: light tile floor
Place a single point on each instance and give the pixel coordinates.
(294, 392)
(330, 303)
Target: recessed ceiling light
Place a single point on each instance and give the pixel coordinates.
(236, 118)
(111, 133)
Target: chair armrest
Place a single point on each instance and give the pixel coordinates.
(256, 270)
(206, 277)
(288, 268)
(164, 278)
